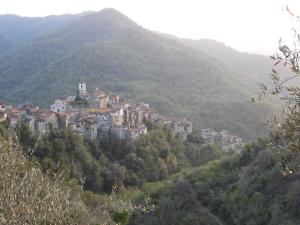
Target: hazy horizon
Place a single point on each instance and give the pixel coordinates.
(253, 27)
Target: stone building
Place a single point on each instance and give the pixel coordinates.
(5, 107)
(82, 88)
(105, 122)
(61, 106)
(181, 128)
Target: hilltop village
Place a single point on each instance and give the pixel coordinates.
(99, 114)
(92, 115)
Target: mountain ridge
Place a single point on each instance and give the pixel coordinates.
(109, 50)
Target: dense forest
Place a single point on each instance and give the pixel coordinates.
(29, 196)
(108, 161)
(248, 189)
(93, 171)
(188, 182)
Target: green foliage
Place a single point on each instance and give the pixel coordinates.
(26, 139)
(248, 189)
(286, 126)
(30, 196)
(107, 162)
(63, 151)
(4, 129)
(79, 102)
(121, 218)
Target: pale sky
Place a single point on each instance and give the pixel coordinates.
(247, 25)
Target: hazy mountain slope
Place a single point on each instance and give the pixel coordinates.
(5, 45)
(109, 50)
(18, 30)
(257, 67)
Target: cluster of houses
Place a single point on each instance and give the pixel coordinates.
(180, 127)
(98, 114)
(224, 139)
(92, 115)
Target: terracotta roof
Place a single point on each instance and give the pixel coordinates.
(95, 110)
(12, 115)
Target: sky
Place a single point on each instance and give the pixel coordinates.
(253, 26)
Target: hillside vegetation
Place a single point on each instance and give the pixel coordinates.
(189, 183)
(250, 189)
(65, 179)
(16, 30)
(107, 162)
(109, 50)
(27, 196)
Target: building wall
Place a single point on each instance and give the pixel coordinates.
(91, 131)
(59, 106)
(104, 122)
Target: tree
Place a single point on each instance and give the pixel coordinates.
(30, 197)
(77, 97)
(79, 101)
(26, 139)
(285, 138)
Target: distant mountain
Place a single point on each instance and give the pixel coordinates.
(17, 30)
(254, 66)
(5, 45)
(109, 50)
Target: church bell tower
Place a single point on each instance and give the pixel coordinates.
(82, 88)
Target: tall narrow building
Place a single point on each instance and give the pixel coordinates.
(82, 87)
